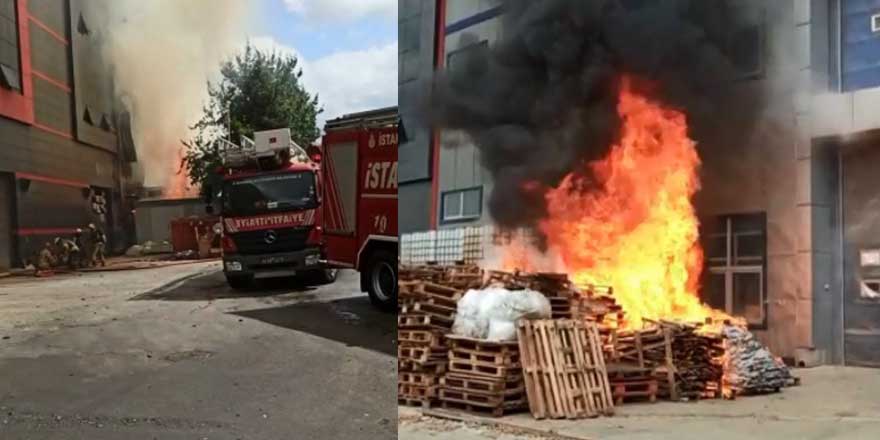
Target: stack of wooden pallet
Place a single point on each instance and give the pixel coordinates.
(460, 275)
(483, 377)
(696, 362)
(630, 382)
(564, 369)
(425, 316)
(596, 303)
(648, 349)
(430, 272)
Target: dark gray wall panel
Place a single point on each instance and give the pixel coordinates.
(93, 84)
(416, 60)
(52, 106)
(29, 150)
(49, 55)
(50, 12)
(414, 207)
(6, 224)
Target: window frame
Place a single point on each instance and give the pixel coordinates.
(731, 267)
(761, 28)
(461, 217)
(19, 69)
(465, 48)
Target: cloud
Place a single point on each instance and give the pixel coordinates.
(342, 10)
(346, 81)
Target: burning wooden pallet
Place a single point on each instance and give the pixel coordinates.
(696, 361)
(483, 377)
(460, 276)
(564, 369)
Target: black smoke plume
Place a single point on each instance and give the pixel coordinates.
(541, 102)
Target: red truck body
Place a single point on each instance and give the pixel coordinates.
(359, 165)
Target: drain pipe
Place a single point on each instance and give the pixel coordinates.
(840, 300)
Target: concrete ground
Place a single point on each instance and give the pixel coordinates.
(173, 353)
(832, 403)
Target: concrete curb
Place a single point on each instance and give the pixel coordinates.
(500, 423)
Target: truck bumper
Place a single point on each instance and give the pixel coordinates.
(272, 265)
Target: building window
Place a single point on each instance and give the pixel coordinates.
(464, 56)
(859, 40)
(81, 26)
(462, 205)
(744, 44)
(736, 248)
(10, 67)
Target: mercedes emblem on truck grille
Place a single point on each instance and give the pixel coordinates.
(271, 237)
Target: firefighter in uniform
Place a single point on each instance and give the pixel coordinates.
(69, 253)
(46, 260)
(99, 242)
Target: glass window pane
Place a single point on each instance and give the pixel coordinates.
(467, 57)
(713, 291)
(747, 300)
(452, 205)
(716, 248)
(749, 247)
(472, 203)
(748, 223)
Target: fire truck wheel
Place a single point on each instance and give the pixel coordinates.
(324, 276)
(239, 283)
(382, 280)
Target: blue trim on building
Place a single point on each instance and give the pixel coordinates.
(473, 20)
(860, 45)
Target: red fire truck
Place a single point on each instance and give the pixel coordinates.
(289, 212)
(360, 205)
(271, 216)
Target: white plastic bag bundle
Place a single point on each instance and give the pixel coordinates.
(492, 313)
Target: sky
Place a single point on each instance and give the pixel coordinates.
(347, 48)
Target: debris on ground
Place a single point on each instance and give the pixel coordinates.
(752, 367)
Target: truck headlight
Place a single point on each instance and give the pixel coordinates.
(312, 260)
(233, 266)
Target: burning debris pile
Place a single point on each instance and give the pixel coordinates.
(696, 358)
(663, 358)
(752, 369)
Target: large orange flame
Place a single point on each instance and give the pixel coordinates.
(178, 185)
(632, 225)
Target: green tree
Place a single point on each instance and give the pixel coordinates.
(257, 91)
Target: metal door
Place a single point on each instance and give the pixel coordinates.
(6, 238)
(861, 247)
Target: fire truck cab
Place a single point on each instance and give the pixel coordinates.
(360, 199)
(271, 216)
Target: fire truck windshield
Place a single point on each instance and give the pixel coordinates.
(277, 192)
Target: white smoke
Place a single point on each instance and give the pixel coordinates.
(162, 53)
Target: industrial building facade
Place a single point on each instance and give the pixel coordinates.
(62, 156)
(791, 228)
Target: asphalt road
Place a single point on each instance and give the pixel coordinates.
(194, 359)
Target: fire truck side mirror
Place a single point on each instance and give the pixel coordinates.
(314, 153)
